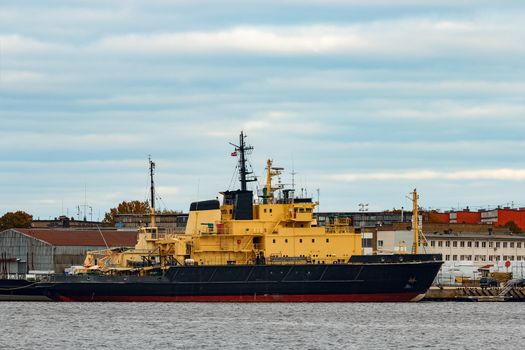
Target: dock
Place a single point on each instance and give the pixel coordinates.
(460, 293)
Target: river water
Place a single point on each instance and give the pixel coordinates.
(34, 325)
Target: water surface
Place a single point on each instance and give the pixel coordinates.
(33, 325)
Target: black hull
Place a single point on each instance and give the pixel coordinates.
(370, 280)
(21, 290)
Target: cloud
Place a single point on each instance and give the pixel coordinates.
(421, 37)
(18, 44)
(25, 141)
(425, 175)
(20, 77)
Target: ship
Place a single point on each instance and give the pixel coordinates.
(262, 247)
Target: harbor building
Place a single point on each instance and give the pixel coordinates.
(366, 219)
(67, 222)
(501, 217)
(456, 242)
(171, 223)
(23, 250)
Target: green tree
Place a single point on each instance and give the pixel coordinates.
(513, 227)
(131, 207)
(18, 219)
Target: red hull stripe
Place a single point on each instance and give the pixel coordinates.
(387, 297)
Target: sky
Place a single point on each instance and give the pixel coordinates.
(364, 100)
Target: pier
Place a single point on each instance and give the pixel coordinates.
(459, 293)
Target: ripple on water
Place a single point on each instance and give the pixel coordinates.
(262, 326)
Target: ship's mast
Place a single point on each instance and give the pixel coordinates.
(268, 195)
(415, 222)
(152, 190)
(270, 173)
(242, 148)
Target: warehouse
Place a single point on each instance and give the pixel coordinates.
(22, 250)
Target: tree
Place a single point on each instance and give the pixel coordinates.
(18, 219)
(131, 207)
(169, 212)
(513, 227)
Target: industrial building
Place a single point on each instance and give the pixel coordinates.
(172, 223)
(366, 219)
(22, 250)
(456, 242)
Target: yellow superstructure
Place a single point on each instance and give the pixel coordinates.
(280, 231)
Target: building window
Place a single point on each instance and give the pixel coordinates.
(491, 244)
(498, 244)
(454, 257)
(447, 244)
(273, 241)
(476, 244)
(365, 242)
(380, 243)
(440, 243)
(313, 240)
(462, 244)
(518, 245)
(300, 240)
(447, 257)
(328, 240)
(469, 244)
(455, 244)
(504, 244)
(286, 240)
(490, 257)
(432, 243)
(511, 244)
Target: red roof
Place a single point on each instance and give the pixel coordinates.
(82, 238)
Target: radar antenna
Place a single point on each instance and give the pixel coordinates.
(242, 150)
